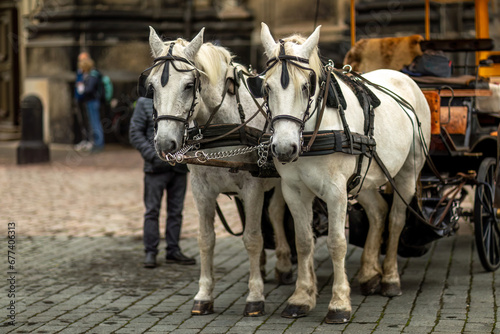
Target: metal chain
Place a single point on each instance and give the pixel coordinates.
(180, 156)
(263, 153)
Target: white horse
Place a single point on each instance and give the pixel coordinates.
(396, 133)
(192, 92)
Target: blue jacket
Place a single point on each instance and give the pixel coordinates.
(91, 82)
(141, 135)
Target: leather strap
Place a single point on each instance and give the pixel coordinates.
(319, 118)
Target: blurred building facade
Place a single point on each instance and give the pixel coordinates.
(40, 39)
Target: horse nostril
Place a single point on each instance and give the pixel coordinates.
(273, 149)
(173, 146)
(294, 149)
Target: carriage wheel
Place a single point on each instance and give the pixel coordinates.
(486, 223)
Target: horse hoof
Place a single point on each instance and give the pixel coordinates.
(201, 307)
(285, 278)
(371, 287)
(295, 311)
(390, 290)
(254, 309)
(337, 317)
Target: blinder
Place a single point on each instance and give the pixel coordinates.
(255, 85)
(142, 90)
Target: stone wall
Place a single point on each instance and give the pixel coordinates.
(114, 32)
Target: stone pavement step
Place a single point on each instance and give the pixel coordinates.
(98, 285)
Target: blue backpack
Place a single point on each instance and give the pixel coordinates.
(105, 87)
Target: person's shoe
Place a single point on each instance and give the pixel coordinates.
(150, 260)
(179, 258)
(83, 146)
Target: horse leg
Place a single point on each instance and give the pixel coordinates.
(376, 209)
(405, 183)
(284, 273)
(304, 297)
(204, 301)
(254, 244)
(339, 308)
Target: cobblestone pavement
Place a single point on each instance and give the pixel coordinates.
(79, 251)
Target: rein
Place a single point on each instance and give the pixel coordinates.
(200, 138)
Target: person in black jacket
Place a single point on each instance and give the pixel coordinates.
(158, 177)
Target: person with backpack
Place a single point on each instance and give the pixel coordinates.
(89, 92)
(81, 110)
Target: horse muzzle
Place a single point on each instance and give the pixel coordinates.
(285, 153)
(165, 145)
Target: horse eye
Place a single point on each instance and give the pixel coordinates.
(189, 86)
(305, 88)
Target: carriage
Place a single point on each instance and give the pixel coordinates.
(463, 140)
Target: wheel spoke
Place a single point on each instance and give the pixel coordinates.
(486, 236)
(487, 230)
(493, 251)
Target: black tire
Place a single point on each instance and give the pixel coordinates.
(486, 223)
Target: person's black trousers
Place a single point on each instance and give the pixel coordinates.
(154, 185)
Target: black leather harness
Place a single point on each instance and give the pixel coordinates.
(328, 141)
(145, 91)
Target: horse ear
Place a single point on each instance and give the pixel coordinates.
(194, 46)
(308, 46)
(155, 43)
(267, 40)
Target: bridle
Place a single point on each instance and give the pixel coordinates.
(256, 84)
(197, 139)
(148, 92)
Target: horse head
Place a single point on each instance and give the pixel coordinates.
(291, 60)
(188, 86)
(174, 82)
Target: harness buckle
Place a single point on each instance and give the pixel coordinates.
(353, 182)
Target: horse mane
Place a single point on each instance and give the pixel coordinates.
(314, 60)
(209, 60)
